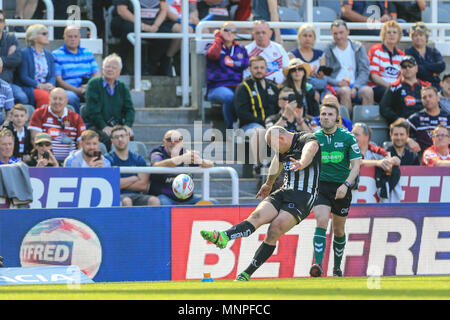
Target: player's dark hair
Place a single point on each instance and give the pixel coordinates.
(332, 106)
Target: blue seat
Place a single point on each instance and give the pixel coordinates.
(288, 14)
(324, 14)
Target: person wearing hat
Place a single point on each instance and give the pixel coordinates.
(42, 154)
(429, 59)
(444, 94)
(402, 98)
(296, 77)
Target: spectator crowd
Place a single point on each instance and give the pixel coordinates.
(59, 108)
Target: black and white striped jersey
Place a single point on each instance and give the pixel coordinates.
(306, 180)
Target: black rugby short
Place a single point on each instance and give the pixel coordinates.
(327, 193)
(298, 203)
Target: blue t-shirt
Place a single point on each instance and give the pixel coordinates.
(12, 160)
(134, 160)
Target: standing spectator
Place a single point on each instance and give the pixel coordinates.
(290, 116)
(399, 133)
(24, 10)
(7, 147)
(256, 99)
(74, 66)
(438, 155)
(423, 122)
(444, 95)
(171, 154)
(88, 155)
(243, 11)
(385, 59)
(267, 10)
(11, 57)
(403, 97)
(408, 11)
(365, 11)
(42, 154)
(350, 67)
(109, 101)
(62, 124)
(22, 136)
(153, 18)
(226, 60)
(276, 57)
(98, 17)
(429, 59)
(372, 155)
(296, 78)
(213, 10)
(37, 71)
(174, 13)
(133, 186)
(6, 96)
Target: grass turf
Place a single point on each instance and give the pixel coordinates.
(404, 287)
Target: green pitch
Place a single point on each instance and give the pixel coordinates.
(414, 287)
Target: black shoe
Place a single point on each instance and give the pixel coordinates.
(18, 28)
(316, 270)
(166, 66)
(337, 272)
(1, 261)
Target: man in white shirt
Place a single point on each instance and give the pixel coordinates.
(276, 57)
(350, 65)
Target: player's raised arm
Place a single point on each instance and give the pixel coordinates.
(309, 151)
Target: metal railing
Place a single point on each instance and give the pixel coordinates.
(206, 172)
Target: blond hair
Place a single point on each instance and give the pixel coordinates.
(33, 32)
(112, 57)
(391, 24)
(306, 27)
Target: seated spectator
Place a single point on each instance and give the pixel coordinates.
(423, 122)
(306, 38)
(153, 17)
(6, 96)
(444, 95)
(365, 11)
(226, 60)
(213, 10)
(133, 186)
(399, 133)
(403, 97)
(438, 155)
(37, 70)
(25, 9)
(290, 116)
(88, 155)
(22, 136)
(7, 147)
(42, 154)
(11, 57)
(296, 78)
(407, 11)
(171, 154)
(109, 101)
(372, 155)
(385, 59)
(342, 122)
(429, 59)
(256, 99)
(74, 66)
(350, 67)
(276, 57)
(174, 13)
(62, 124)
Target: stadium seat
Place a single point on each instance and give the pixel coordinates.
(324, 14)
(343, 111)
(102, 148)
(371, 116)
(288, 14)
(332, 4)
(386, 144)
(443, 13)
(30, 110)
(137, 147)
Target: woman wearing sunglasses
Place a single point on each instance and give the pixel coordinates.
(226, 61)
(42, 154)
(429, 59)
(37, 70)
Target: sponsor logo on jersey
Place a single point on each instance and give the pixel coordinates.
(333, 157)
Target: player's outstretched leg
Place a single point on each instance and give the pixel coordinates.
(220, 239)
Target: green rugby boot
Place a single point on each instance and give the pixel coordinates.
(220, 239)
(243, 277)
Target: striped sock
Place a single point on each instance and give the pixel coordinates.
(320, 243)
(338, 248)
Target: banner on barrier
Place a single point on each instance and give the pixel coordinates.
(417, 184)
(71, 276)
(403, 239)
(106, 244)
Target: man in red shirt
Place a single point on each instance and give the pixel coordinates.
(438, 155)
(62, 124)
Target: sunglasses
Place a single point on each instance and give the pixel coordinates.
(338, 23)
(407, 66)
(174, 140)
(363, 125)
(297, 69)
(230, 30)
(44, 144)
